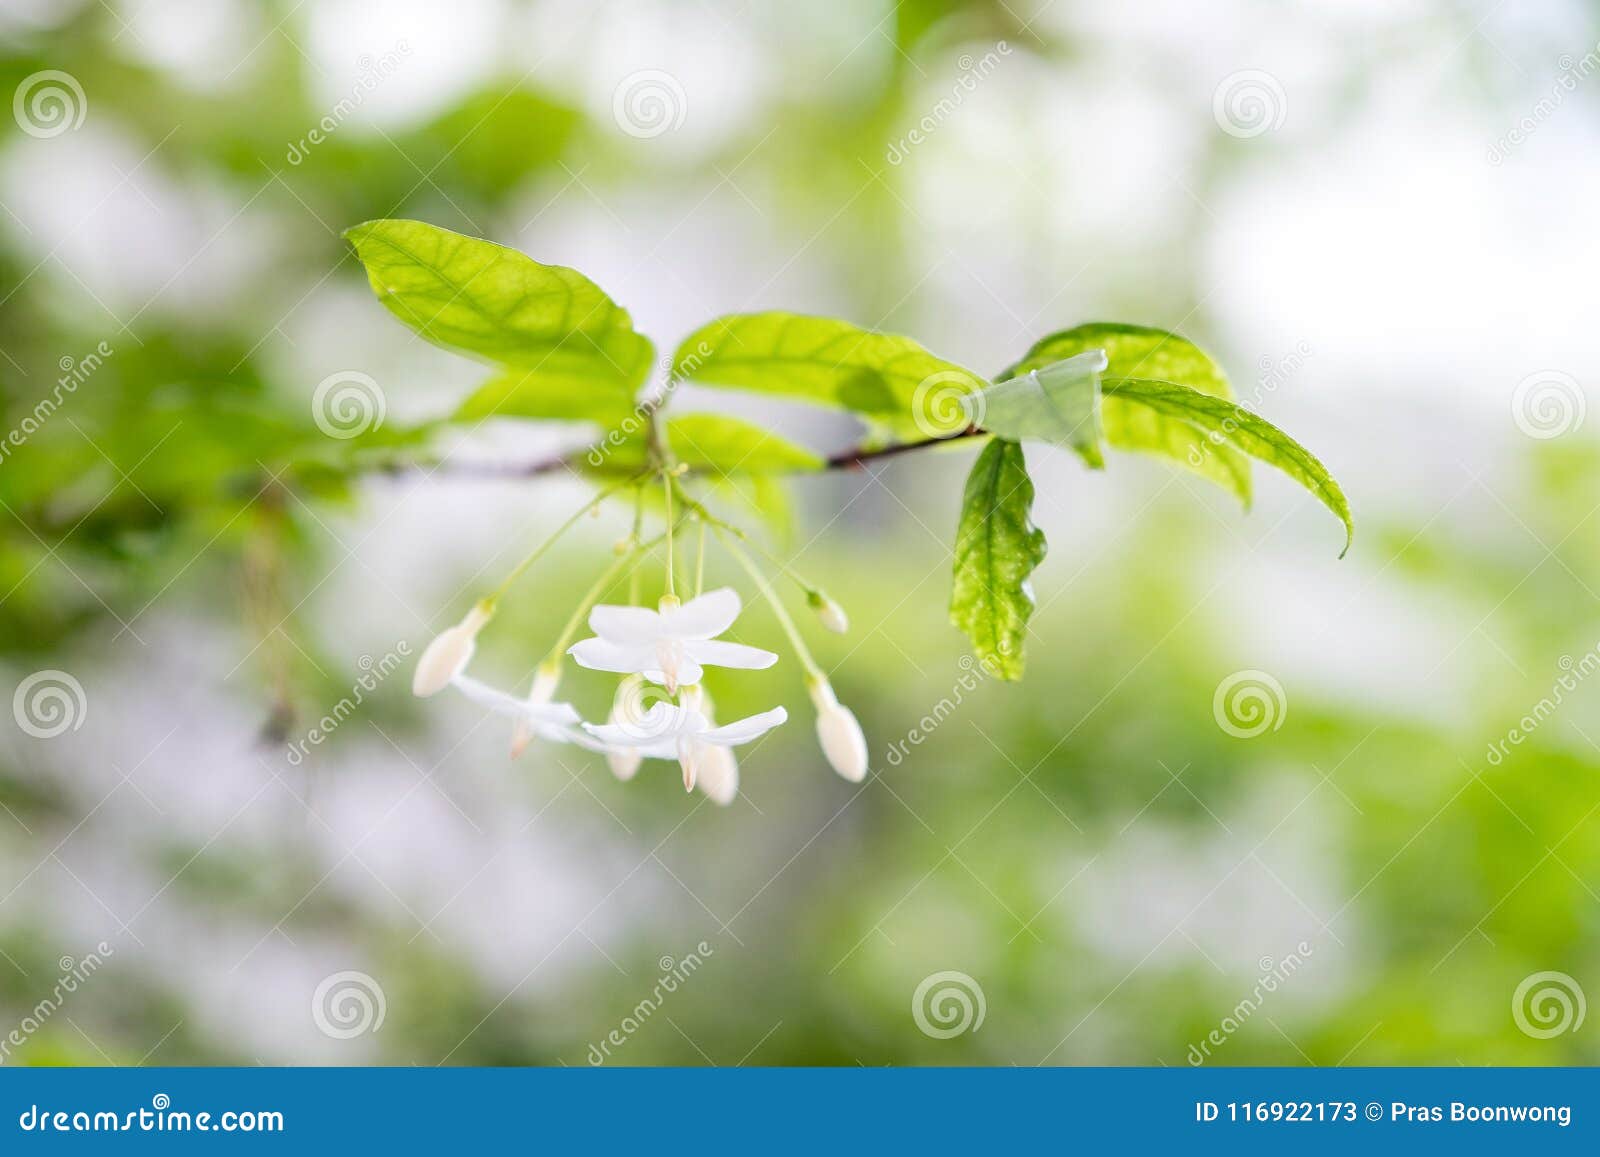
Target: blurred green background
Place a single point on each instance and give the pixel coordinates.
(1378, 216)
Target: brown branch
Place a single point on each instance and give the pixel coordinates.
(853, 459)
(484, 469)
(859, 457)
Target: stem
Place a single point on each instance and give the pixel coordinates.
(813, 672)
(700, 564)
(738, 532)
(538, 552)
(591, 596)
(671, 592)
(634, 549)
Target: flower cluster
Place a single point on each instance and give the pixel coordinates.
(660, 710)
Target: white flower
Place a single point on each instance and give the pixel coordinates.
(839, 733)
(668, 646)
(684, 734)
(643, 712)
(448, 655)
(554, 721)
(545, 680)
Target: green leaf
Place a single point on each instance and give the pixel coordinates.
(1227, 425)
(891, 382)
(997, 548)
(549, 322)
(1058, 403)
(518, 393)
(710, 443)
(1135, 351)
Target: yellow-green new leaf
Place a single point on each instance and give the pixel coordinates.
(1224, 425)
(1058, 403)
(552, 324)
(997, 548)
(891, 382)
(1136, 351)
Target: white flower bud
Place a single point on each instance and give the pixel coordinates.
(448, 655)
(719, 773)
(544, 690)
(829, 613)
(839, 733)
(624, 761)
(689, 753)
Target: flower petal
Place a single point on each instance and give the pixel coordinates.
(720, 654)
(545, 714)
(744, 730)
(601, 655)
(567, 733)
(607, 737)
(630, 626)
(689, 672)
(705, 617)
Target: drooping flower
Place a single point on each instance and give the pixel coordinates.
(839, 733)
(684, 733)
(668, 646)
(545, 680)
(449, 653)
